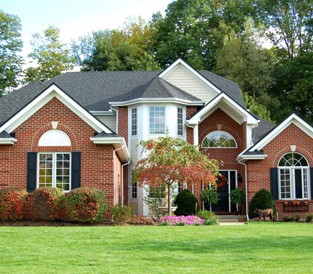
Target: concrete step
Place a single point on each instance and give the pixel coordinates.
(231, 218)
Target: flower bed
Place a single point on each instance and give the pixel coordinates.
(180, 220)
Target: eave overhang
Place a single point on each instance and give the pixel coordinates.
(155, 101)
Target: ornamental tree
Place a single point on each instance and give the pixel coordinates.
(171, 160)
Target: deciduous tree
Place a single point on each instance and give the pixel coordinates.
(171, 160)
(10, 45)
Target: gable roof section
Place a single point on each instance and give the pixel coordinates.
(229, 106)
(156, 90)
(256, 151)
(292, 119)
(6, 139)
(41, 99)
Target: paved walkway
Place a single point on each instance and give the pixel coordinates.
(232, 223)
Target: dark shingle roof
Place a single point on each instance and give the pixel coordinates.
(229, 87)
(156, 88)
(263, 128)
(94, 90)
(4, 134)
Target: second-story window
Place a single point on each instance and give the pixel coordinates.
(179, 121)
(157, 120)
(134, 121)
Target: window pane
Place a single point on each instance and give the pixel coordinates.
(220, 139)
(134, 121)
(157, 120)
(179, 121)
(285, 189)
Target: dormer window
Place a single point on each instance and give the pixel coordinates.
(219, 139)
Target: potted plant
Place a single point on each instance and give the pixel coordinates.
(237, 196)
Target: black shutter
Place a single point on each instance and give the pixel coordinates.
(31, 171)
(76, 162)
(274, 182)
(311, 175)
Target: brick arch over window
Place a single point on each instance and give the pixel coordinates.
(49, 126)
(287, 149)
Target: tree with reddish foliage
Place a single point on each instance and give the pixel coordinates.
(171, 160)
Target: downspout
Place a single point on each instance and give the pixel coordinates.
(246, 187)
(122, 175)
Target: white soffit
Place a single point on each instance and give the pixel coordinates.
(292, 119)
(229, 106)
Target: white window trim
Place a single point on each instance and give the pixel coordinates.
(165, 129)
(292, 182)
(292, 169)
(219, 147)
(131, 121)
(54, 168)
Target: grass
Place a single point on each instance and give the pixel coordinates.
(253, 248)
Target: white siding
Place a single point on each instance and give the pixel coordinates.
(187, 81)
(108, 120)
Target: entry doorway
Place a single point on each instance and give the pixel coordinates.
(224, 204)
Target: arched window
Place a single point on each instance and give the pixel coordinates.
(293, 174)
(220, 139)
(54, 138)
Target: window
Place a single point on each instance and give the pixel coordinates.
(134, 121)
(157, 120)
(54, 137)
(179, 121)
(220, 139)
(54, 170)
(134, 190)
(293, 175)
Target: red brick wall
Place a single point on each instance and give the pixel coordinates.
(97, 168)
(228, 156)
(259, 171)
(190, 111)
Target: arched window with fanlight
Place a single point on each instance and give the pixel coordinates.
(293, 176)
(219, 139)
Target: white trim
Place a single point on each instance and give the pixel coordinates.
(7, 141)
(156, 100)
(246, 116)
(243, 158)
(102, 112)
(52, 92)
(193, 71)
(117, 142)
(292, 119)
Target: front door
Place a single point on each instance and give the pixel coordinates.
(224, 204)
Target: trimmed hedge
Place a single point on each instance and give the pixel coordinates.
(84, 205)
(45, 203)
(187, 203)
(262, 199)
(12, 203)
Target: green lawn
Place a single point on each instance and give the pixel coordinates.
(252, 248)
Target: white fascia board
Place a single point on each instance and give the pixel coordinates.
(118, 143)
(7, 141)
(197, 118)
(243, 158)
(102, 112)
(292, 119)
(197, 74)
(53, 92)
(156, 100)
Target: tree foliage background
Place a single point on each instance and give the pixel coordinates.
(263, 45)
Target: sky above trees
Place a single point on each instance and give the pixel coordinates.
(75, 18)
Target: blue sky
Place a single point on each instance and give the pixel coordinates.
(75, 18)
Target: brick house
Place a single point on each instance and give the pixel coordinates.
(83, 129)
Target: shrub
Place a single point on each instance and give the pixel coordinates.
(11, 203)
(187, 203)
(309, 218)
(141, 220)
(121, 214)
(85, 205)
(45, 203)
(261, 200)
(210, 196)
(208, 217)
(180, 220)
